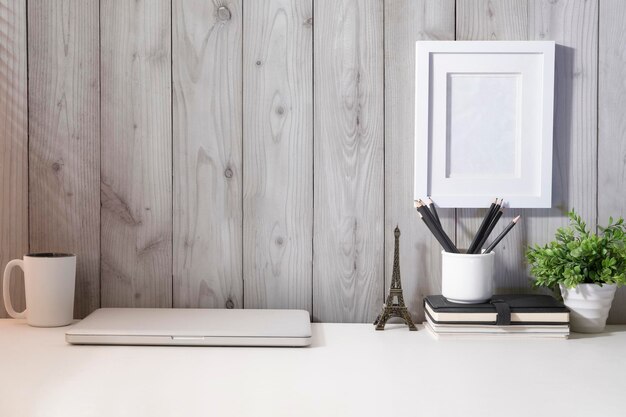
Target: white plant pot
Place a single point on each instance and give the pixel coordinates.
(589, 305)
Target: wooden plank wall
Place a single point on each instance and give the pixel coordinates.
(207, 146)
(136, 153)
(278, 154)
(64, 138)
(13, 142)
(407, 21)
(237, 153)
(574, 27)
(349, 160)
(612, 124)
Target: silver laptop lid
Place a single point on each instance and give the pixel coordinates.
(200, 326)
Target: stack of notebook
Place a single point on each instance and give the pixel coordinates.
(512, 315)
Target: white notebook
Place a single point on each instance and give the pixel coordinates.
(192, 327)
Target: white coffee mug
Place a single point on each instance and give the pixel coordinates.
(49, 281)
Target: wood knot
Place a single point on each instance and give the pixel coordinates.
(259, 63)
(56, 167)
(309, 22)
(280, 110)
(228, 173)
(230, 304)
(279, 241)
(223, 13)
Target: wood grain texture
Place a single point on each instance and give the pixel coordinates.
(407, 21)
(349, 162)
(278, 154)
(64, 137)
(574, 26)
(501, 20)
(206, 48)
(13, 143)
(280, 172)
(612, 125)
(136, 178)
(492, 20)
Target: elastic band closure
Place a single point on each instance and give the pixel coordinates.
(503, 311)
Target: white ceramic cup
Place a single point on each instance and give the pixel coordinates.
(467, 279)
(49, 281)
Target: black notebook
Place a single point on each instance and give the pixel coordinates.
(524, 309)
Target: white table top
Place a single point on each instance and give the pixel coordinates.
(350, 370)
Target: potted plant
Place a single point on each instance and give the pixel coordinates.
(587, 268)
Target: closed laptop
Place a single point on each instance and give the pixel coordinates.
(192, 327)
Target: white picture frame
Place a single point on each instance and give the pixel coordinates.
(483, 122)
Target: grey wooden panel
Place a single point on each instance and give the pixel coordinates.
(64, 137)
(352, 174)
(407, 21)
(573, 25)
(136, 167)
(502, 20)
(207, 253)
(278, 154)
(349, 161)
(612, 125)
(492, 20)
(13, 143)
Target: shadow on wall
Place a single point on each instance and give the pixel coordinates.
(562, 146)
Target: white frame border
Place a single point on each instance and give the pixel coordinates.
(423, 117)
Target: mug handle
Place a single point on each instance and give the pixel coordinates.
(6, 281)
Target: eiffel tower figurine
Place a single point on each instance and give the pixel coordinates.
(394, 307)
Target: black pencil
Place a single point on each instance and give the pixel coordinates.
(432, 226)
(493, 223)
(433, 210)
(421, 207)
(501, 235)
(427, 221)
(483, 226)
(439, 239)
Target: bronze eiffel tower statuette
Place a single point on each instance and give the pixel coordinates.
(394, 307)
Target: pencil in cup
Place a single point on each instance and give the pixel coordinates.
(434, 228)
(487, 233)
(483, 226)
(501, 236)
(435, 232)
(431, 205)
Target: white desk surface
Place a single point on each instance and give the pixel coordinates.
(350, 370)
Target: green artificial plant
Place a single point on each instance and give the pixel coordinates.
(578, 256)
